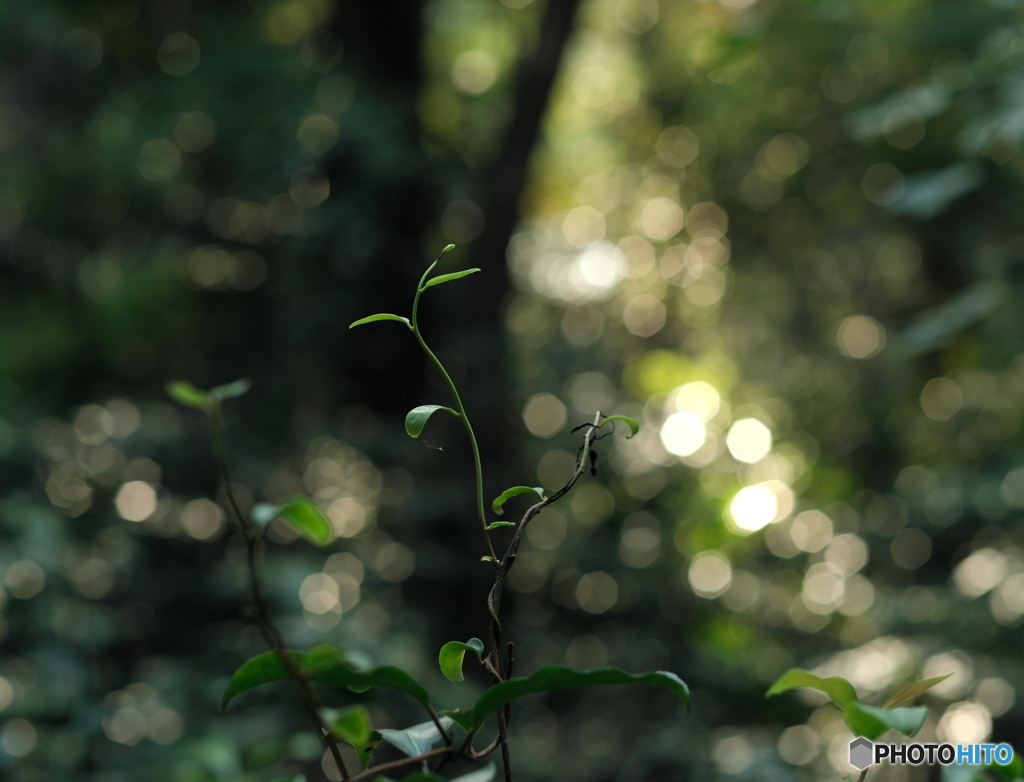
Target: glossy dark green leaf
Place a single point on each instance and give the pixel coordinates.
(561, 677)
(914, 690)
(417, 739)
(187, 394)
(380, 316)
(452, 654)
(872, 722)
(448, 278)
(417, 418)
(634, 427)
(497, 524)
(306, 517)
(352, 724)
(508, 494)
(839, 691)
(231, 390)
(324, 665)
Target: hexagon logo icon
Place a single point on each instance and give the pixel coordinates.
(861, 753)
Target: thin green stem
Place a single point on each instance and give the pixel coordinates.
(270, 631)
(461, 411)
(863, 775)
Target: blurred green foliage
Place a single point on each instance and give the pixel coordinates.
(783, 235)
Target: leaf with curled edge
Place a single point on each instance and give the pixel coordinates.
(453, 653)
(508, 494)
(417, 418)
(634, 427)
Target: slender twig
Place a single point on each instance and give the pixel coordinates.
(863, 775)
(370, 772)
(267, 626)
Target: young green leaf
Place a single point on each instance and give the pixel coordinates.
(352, 724)
(496, 524)
(417, 418)
(447, 249)
(839, 690)
(380, 316)
(448, 278)
(417, 739)
(508, 494)
(307, 518)
(914, 690)
(239, 387)
(365, 752)
(560, 677)
(323, 665)
(451, 655)
(872, 722)
(634, 427)
(187, 394)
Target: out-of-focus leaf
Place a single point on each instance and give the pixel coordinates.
(365, 752)
(941, 325)
(1011, 772)
(508, 494)
(417, 418)
(929, 193)
(187, 394)
(230, 390)
(352, 724)
(417, 739)
(485, 774)
(922, 102)
(263, 513)
(839, 691)
(452, 654)
(380, 316)
(634, 427)
(872, 722)
(307, 518)
(914, 690)
(448, 278)
(299, 778)
(324, 665)
(561, 677)
(956, 772)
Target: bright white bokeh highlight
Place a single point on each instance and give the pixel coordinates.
(749, 440)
